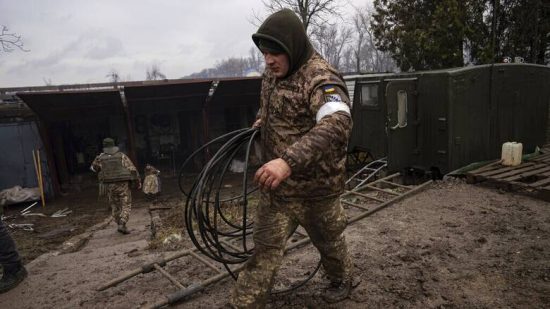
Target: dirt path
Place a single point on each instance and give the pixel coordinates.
(452, 246)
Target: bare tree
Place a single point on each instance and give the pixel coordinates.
(232, 67)
(347, 49)
(47, 81)
(255, 59)
(368, 58)
(113, 76)
(312, 12)
(361, 25)
(330, 41)
(10, 40)
(154, 73)
(348, 60)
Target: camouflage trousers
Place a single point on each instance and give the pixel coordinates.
(275, 221)
(120, 200)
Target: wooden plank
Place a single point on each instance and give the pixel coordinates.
(537, 192)
(541, 157)
(527, 174)
(505, 169)
(491, 166)
(517, 171)
(540, 183)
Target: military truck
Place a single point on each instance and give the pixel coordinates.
(442, 120)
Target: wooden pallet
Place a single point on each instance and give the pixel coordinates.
(543, 158)
(532, 176)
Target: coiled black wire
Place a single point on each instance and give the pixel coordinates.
(209, 228)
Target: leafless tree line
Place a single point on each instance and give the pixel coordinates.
(346, 42)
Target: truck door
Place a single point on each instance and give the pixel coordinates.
(369, 119)
(402, 123)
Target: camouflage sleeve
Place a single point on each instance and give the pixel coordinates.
(95, 167)
(332, 129)
(263, 88)
(127, 163)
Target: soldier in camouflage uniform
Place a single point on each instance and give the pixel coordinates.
(116, 171)
(305, 125)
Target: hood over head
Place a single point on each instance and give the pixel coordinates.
(286, 30)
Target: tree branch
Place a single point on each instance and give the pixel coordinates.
(10, 40)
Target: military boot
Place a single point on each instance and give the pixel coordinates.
(122, 228)
(12, 277)
(337, 290)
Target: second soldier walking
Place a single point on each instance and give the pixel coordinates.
(117, 173)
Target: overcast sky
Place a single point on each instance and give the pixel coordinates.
(81, 41)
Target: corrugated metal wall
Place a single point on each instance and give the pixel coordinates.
(17, 140)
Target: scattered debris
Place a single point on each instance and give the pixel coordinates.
(33, 214)
(27, 209)
(18, 194)
(23, 226)
(172, 238)
(61, 213)
(4, 218)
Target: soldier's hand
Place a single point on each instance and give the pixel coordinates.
(271, 174)
(139, 186)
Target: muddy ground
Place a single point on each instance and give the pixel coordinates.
(453, 245)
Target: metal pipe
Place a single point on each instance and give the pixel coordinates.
(363, 187)
(355, 205)
(168, 276)
(384, 205)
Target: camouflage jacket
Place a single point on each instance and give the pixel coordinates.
(314, 149)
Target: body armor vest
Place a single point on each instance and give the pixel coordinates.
(112, 169)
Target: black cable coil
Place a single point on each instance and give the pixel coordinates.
(212, 232)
